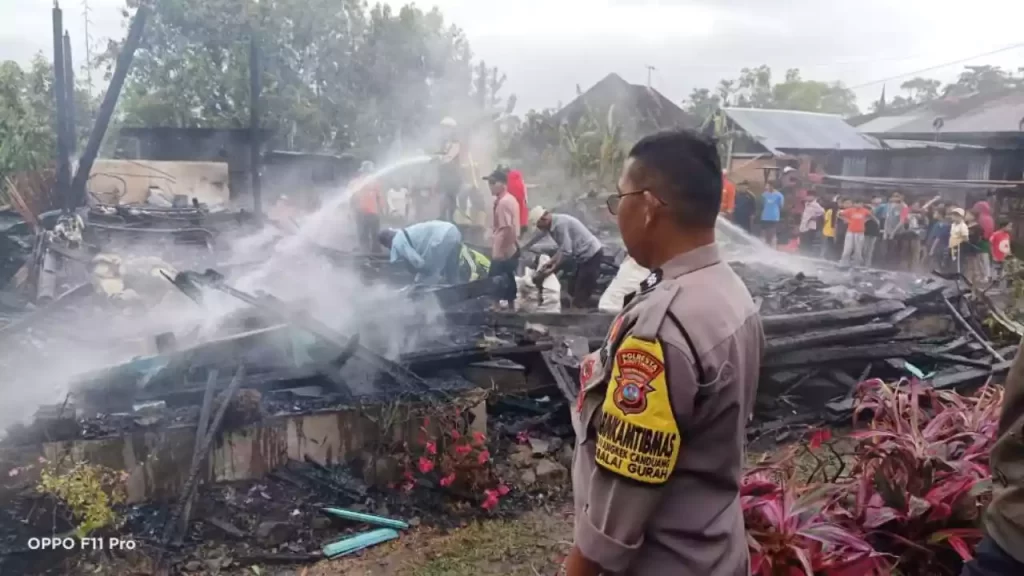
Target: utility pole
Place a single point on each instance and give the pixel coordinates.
(69, 98)
(649, 70)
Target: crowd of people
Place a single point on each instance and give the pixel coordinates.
(883, 231)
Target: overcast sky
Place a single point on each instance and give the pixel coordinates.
(547, 47)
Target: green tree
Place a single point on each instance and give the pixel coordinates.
(983, 80)
(336, 74)
(754, 88)
(702, 103)
(28, 117)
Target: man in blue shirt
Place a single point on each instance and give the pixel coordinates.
(430, 248)
(771, 213)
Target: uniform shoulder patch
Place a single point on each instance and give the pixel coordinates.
(638, 437)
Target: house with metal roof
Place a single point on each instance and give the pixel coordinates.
(993, 123)
(766, 141)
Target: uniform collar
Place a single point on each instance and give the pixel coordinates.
(683, 264)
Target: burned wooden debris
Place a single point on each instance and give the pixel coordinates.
(429, 346)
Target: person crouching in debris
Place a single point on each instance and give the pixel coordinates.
(661, 415)
(578, 249)
(368, 203)
(504, 237)
(1001, 551)
(430, 248)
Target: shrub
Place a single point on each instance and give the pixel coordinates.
(911, 505)
(89, 491)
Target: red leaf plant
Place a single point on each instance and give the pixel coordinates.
(455, 461)
(797, 530)
(921, 477)
(911, 504)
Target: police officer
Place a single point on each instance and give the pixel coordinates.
(663, 404)
(1001, 552)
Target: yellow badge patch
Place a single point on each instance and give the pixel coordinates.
(638, 437)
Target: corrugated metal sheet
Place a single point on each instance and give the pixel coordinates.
(895, 144)
(980, 113)
(978, 167)
(792, 130)
(855, 166)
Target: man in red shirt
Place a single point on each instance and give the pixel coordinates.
(856, 218)
(1000, 244)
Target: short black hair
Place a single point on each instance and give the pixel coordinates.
(684, 170)
(386, 237)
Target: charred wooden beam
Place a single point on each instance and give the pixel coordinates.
(850, 335)
(970, 330)
(106, 111)
(563, 380)
(272, 307)
(60, 104)
(460, 356)
(969, 378)
(838, 354)
(902, 315)
(69, 98)
(933, 292)
(782, 323)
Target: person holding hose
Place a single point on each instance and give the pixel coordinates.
(449, 170)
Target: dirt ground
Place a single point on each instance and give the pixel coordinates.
(532, 545)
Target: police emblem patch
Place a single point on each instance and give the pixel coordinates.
(637, 369)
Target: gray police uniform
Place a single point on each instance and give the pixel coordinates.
(660, 425)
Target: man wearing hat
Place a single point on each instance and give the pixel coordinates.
(504, 235)
(577, 248)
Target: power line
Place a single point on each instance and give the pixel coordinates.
(936, 67)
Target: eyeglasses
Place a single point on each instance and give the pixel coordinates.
(614, 199)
